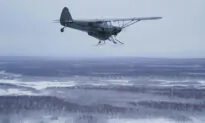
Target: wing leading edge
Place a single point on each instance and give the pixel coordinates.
(120, 19)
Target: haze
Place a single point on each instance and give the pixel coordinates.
(27, 28)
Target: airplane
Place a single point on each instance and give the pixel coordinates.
(101, 29)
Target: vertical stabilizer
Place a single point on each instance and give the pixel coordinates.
(65, 16)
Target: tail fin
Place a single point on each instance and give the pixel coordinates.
(65, 15)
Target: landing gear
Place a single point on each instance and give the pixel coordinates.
(114, 40)
(100, 43)
(119, 41)
(62, 29)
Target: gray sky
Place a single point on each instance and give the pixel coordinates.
(27, 28)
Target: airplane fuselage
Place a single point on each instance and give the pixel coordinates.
(101, 31)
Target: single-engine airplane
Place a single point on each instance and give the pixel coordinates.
(102, 29)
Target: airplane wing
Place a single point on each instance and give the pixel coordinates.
(120, 19)
(126, 21)
(115, 20)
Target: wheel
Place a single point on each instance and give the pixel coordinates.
(62, 30)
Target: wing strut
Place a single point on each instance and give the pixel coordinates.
(130, 23)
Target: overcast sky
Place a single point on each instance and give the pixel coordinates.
(27, 28)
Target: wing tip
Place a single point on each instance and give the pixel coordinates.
(159, 17)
